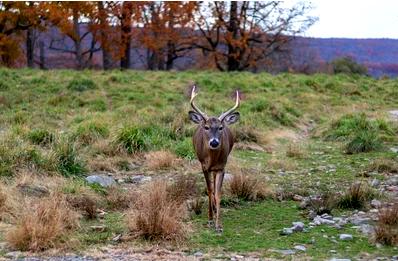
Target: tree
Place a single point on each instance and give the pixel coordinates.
(348, 65)
(72, 30)
(241, 35)
(167, 32)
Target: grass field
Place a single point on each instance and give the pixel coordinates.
(298, 135)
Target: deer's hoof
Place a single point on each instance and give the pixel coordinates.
(219, 230)
(210, 224)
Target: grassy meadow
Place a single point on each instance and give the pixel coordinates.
(298, 136)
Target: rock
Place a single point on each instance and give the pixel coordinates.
(319, 221)
(286, 231)
(117, 238)
(345, 237)
(104, 181)
(333, 251)
(375, 183)
(375, 203)
(198, 254)
(13, 254)
(300, 248)
(366, 229)
(394, 149)
(33, 190)
(392, 181)
(297, 198)
(228, 177)
(285, 251)
(327, 216)
(359, 220)
(393, 114)
(298, 226)
(138, 179)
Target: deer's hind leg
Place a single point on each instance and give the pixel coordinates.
(218, 180)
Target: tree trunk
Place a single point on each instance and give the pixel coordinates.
(170, 55)
(42, 56)
(106, 57)
(233, 50)
(30, 46)
(126, 35)
(77, 40)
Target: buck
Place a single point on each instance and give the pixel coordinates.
(213, 141)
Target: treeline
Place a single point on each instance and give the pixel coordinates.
(228, 36)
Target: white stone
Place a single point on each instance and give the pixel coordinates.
(345, 237)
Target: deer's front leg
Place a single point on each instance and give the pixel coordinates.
(210, 193)
(218, 180)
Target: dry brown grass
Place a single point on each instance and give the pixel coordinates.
(156, 216)
(42, 224)
(384, 166)
(286, 164)
(183, 188)
(295, 150)
(119, 199)
(86, 202)
(163, 159)
(386, 230)
(248, 188)
(11, 203)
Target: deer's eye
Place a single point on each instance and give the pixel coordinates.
(207, 127)
(220, 128)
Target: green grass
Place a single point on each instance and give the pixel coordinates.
(255, 227)
(65, 122)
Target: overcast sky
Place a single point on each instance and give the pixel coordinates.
(354, 18)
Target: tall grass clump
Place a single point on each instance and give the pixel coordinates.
(88, 132)
(157, 216)
(356, 197)
(386, 229)
(40, 136)
(67, 160)
(184, 148)
(43, 225)
(248, 188)
(360, 133)
(81, 85)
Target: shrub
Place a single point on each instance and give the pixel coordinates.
(119, 199)
(323, 204)
(40, 137)
(160, 160)
(363, 141)
(356, 197)
(42, 225)
(81, 85)
(67, 159)
(156, 216)
(386, 229)
(89, 132)
(248, 188)
(348, 65)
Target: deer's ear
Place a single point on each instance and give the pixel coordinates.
(232, 118)
(195, 117)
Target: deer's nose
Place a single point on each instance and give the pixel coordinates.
(214, 143)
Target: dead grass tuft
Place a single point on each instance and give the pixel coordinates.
(286, 164)
(183, 188)
(386, 230)
(157, 216)
(356, 196)
(246, 187)
(43, 224)
(295, 150)
(119, 199)
(163, 159)
(384, 165)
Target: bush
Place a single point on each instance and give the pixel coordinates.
(40, 137)
(67, 159)
(356, 197)
(42, 225)
(156, 216)
(348, 65)
(81, 85)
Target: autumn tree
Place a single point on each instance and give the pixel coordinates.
(15, 19)
(81, 13)
(167, 32)
(241, 35)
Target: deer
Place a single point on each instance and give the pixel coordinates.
(213, 142)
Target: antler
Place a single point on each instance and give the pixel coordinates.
(193, 95)
(237, 102)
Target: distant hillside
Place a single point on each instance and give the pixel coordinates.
(379, 55)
